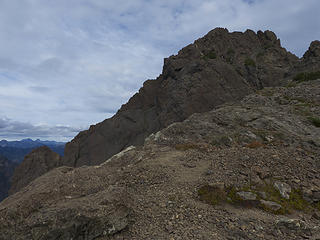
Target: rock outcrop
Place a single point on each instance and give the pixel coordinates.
(218, 68)
(311, 58)
(6, 171)
(35, 164)
(167, 188)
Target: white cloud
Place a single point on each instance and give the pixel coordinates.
(73, 63)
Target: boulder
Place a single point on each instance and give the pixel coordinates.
(270, 205)
(283, 188)
(247, 196)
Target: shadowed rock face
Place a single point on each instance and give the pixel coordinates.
(36, 163)
(6, 171)
(311, 58)
(217, 68)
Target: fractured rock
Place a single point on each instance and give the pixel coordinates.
(270, 205)
(283, 188)
(247, 196)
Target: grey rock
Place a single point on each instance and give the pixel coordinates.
(70, 210)
(217, 185)
(270, 205)
(247, 196)
(209, 172)
(262, 195)
(316, 196)
(283, 188)
(316, 215)
(292, 224)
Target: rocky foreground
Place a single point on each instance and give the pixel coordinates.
(245, 170)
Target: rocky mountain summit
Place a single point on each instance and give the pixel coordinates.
(215, 69)
(244, 170)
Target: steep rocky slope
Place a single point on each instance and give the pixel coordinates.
(6, 171)
(215, 69)
(261, 155)
(36, 163)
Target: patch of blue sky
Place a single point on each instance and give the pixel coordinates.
(8, 77)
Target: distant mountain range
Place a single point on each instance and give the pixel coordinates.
(16, 150)
(29, 143)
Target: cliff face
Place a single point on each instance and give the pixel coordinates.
(35, 164)
(217, 68)
(6, 171)
(223, 174)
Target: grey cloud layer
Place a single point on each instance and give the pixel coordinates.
(14, 130)
(73, 63)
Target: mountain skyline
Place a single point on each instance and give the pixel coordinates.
(15, 151)
(27, 141)
(62, 70)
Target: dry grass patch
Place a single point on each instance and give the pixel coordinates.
(255, 144)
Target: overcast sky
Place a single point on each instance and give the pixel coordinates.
(67, 64)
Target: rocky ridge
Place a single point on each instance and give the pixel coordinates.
(218, 68)
(262, 152)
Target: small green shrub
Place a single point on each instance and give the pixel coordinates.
(230, 51)
(296, 201)
(212, 195)
(291, 84)
(260, 54)
(267, 92)
(211, 55)
(249, 62)
(186, 146)
(315, 121)
(230, 55)
(221, 141)
(307, 76)
(267, 46)
(232, 196)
